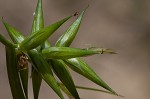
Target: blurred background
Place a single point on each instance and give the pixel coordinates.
(123, 25)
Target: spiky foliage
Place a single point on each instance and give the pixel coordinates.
(47, 60)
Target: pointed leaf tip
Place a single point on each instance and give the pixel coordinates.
(65, 52)
(64, 75)
(84, 69)
(6, 42)
(14, 34)
(38, 22)
(40, 36)
(68, 36)
(102, 50)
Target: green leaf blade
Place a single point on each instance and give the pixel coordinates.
(36, 83)
(17, 38)
(65, 52)
(15, 35)
(34, 55)
(95, 89)
(43, 68)
(40, 36)
(63, 74)
(6, 42)
(84, 69)
(66, 39)
(13, 75)
(38, 23)
(66, 91)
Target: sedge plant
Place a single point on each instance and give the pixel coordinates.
(46, 60)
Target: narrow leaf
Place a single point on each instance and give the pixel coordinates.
(41, 65)
(15, 35)
(36, 83)
(98, 90)
(94, 89)
(6, 42)
(65, 52)
(17, 38)
(13, 75)
(69, 35)
(38, 23)
(40, 36)
(63, 74)
(66, 91)
(84, 69)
